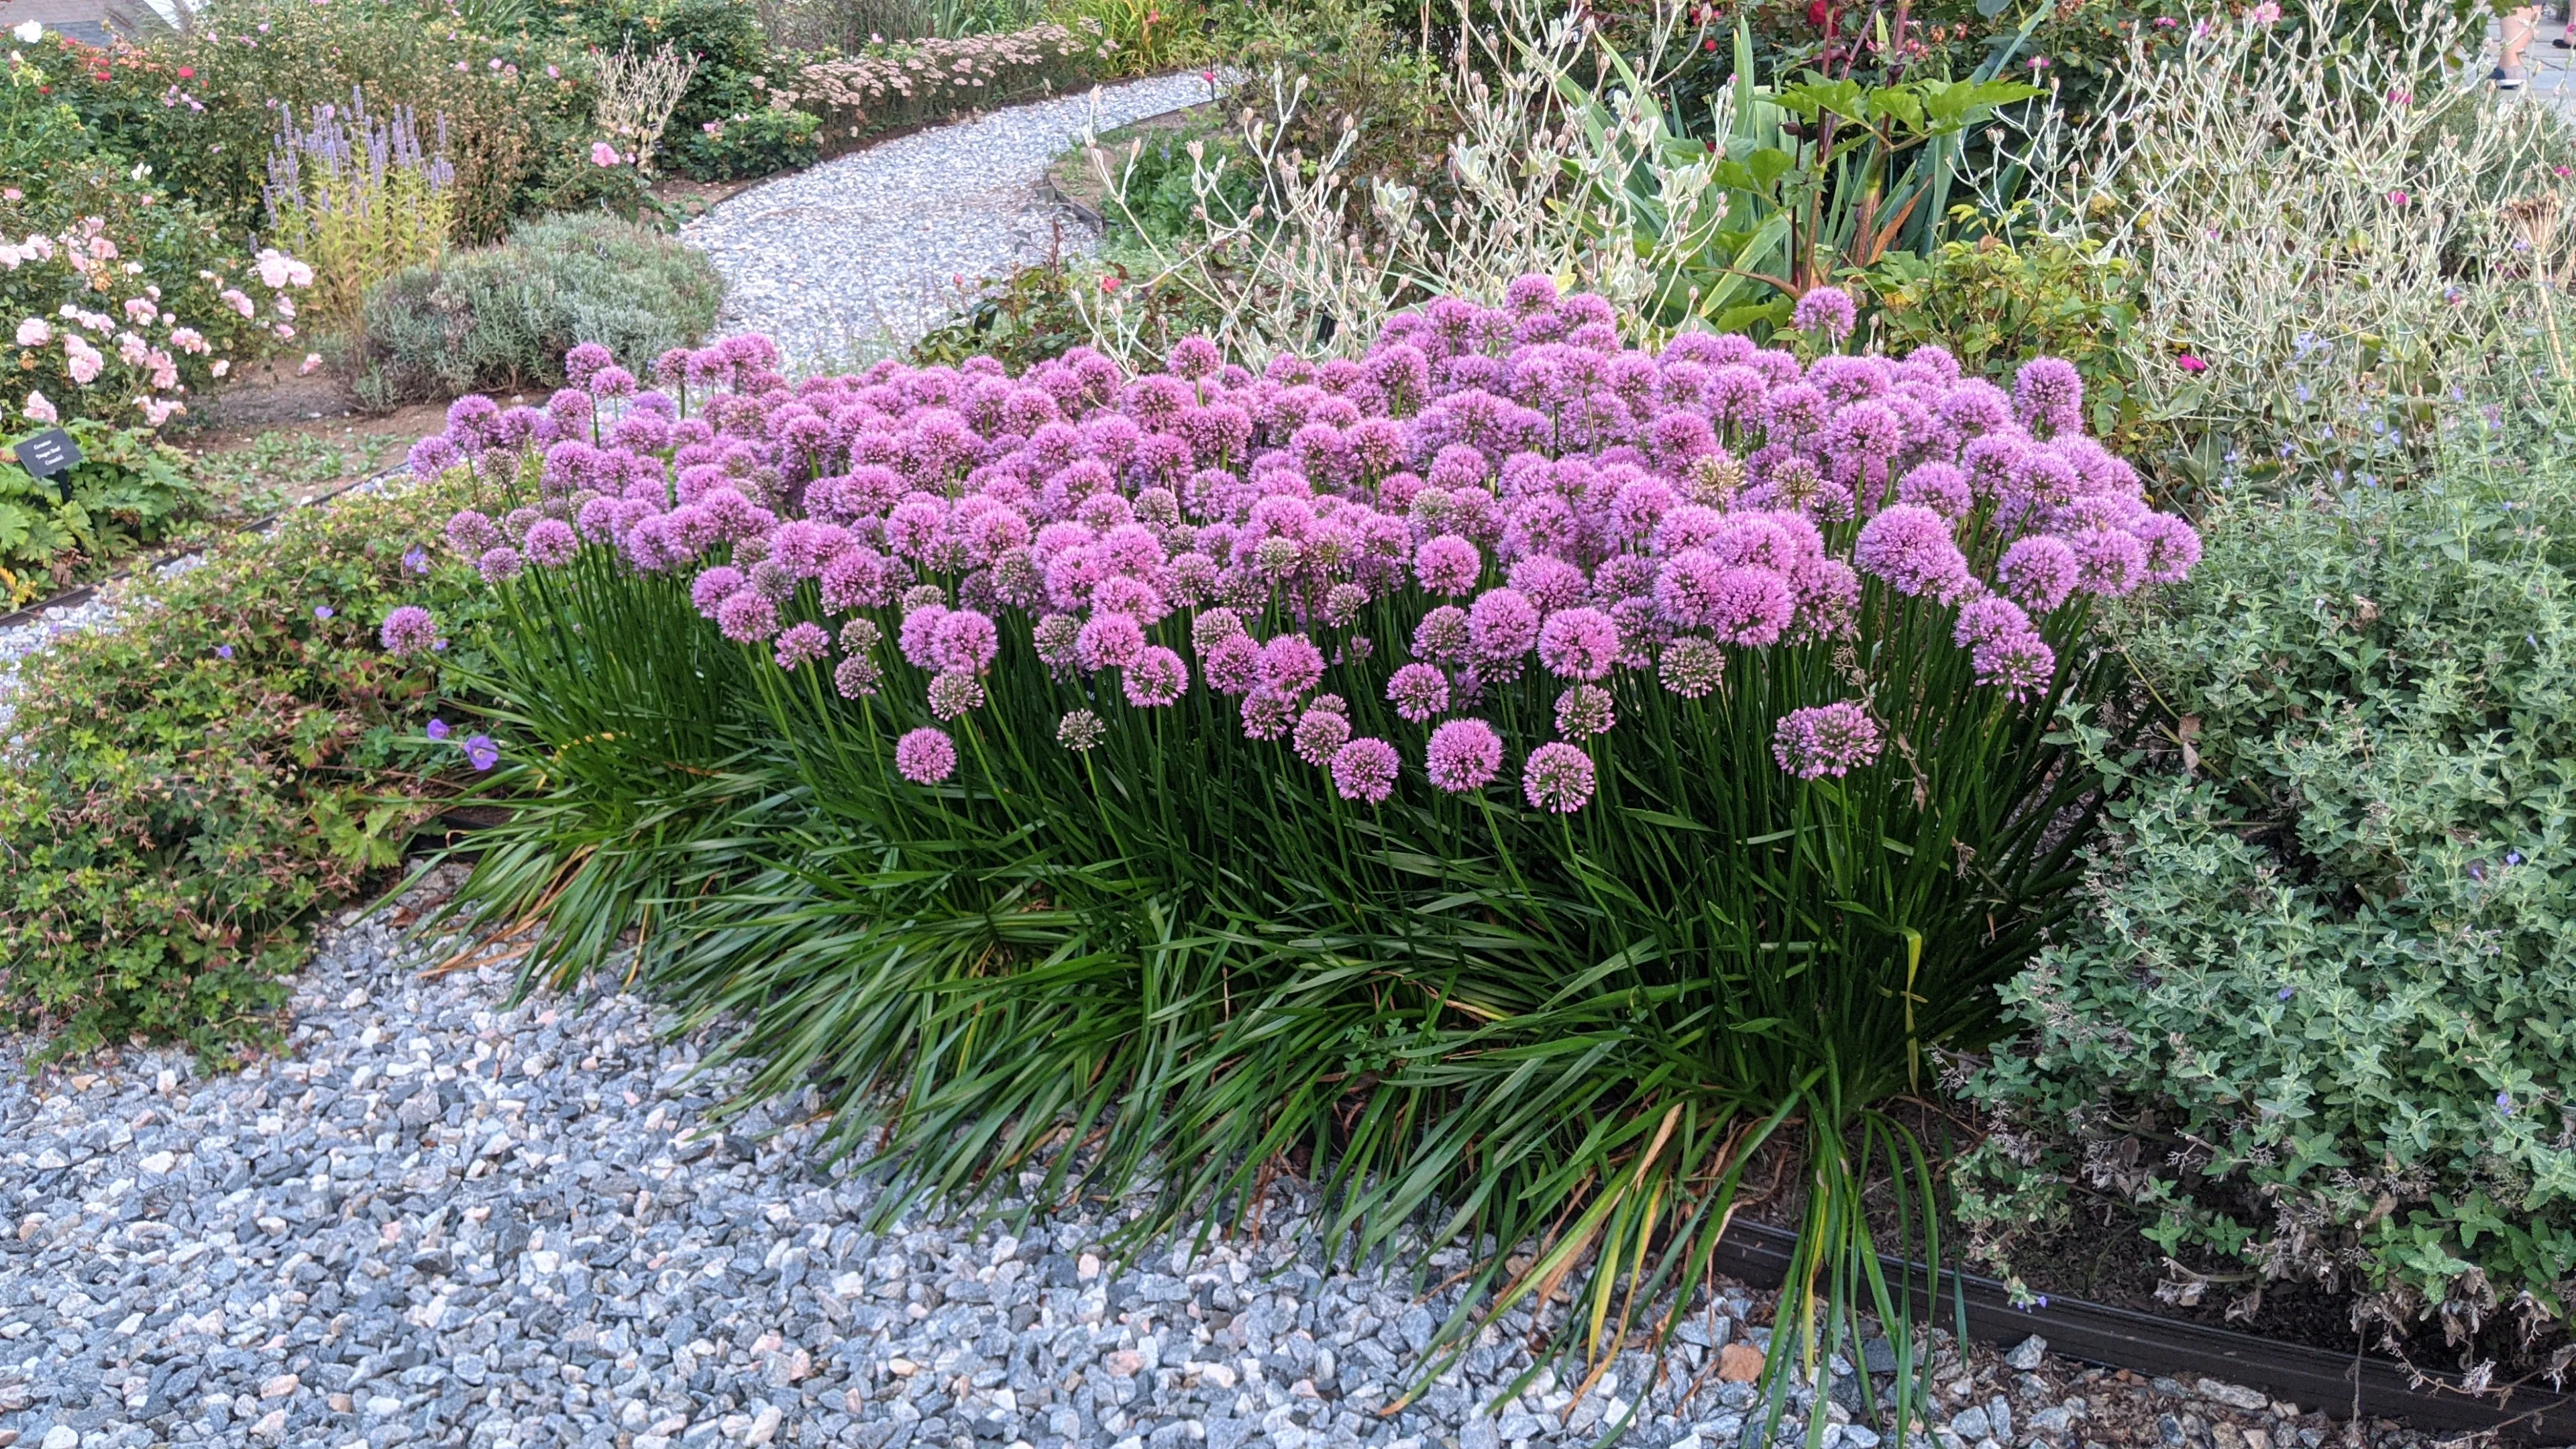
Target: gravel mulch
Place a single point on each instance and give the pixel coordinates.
(437, 1219)
(861, 255)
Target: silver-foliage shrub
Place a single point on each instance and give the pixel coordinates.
(2319, 1022)
(504, 316)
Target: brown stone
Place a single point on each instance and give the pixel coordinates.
(1739, 1363)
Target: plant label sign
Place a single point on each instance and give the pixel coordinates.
(48, 454)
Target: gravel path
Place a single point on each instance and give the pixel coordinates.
(864, 254)
(436, 1220)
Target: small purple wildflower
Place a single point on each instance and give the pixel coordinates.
(437, 729)
(223, 651)
(480, 752)
(416, 561)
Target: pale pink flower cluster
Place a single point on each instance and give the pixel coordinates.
(131, 352)
(935, 74)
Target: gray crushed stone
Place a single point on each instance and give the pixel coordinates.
(438, 1219)
(861, 255)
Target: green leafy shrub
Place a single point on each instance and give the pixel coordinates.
(128, 491)
(504, 316)
(2314, 1025)
(757, 142)
(187, 787)
(885, 86)
(1039, 312)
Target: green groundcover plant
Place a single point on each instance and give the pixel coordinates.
(2312, 1024)
(129, 490)
(1512, 775)
(184, 789)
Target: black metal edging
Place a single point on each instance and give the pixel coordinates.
(2161, 1347)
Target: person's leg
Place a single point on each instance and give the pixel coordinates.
(2519, 26)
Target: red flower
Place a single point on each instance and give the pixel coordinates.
(187, 72)
(1817, 10)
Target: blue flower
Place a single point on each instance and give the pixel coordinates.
(2285, 993)
(416, 561)
(322, 611)
(2513, 857)
(438, 729)
(2504, 1103)
(481, 752)
(223, 651)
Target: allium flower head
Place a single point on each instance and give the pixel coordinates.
(1158, 677)
(1419, 692)
(1986, 619)
(1442, 636)
(1319, 734)
(2108, 561)
(802, 643)
(1578, 644)
(965, 641)
(1291, 665)
(499, 564)
(1266, 716)
(1584, 711)
(1558, 777)
(1502, 625)
(1911, 547)
(1464, 754)
(2173, 546)
(1364, 770)
(470, 533)
(857, 677)
(925, 756)
(1692, 667)
(747, 616)
(2048, 393)
(1449, 566)
(952, 692)
(551, 543)
(2019, 664)
(1826, 312)
(2038, 573)
(408, 630)
(712, 587)
(1080, 730)
(1822, 740)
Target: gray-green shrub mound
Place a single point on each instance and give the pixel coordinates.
(502, 317)
(2319, 1020)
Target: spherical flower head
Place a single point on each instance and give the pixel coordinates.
(1692, 667)
(2108, 561)
(712, 587)
(1343, 602)
(1987, 618)
(1751, 606)
(2021, 665)
(1080, 730)
(2173, 546)
(1531, 293)
(502, 563)
(1213, 626)
(1442, 636)
(1266, 716)
(1232, 664)
(1464, 755)
(408, 630)
(1502, 625)
(1579, 644)
(1825, 312)
(917, 637)
(1364, 770)
(1940, 487)
(433, 455)
(1419, 692)
(1109, 641)
(1291, 665)
(965, 641)
(585, 362)
(747, 616)
(2048, 393)
(925, 756)
(470, 533)
(1584, 711)
(802, 643)
(1319, 733)
(857, 677)
(953, 693)
(551, 543)
(1822, 740)
(1911, 547)
(1158, 677)
(2038, 573)
(1557, 776)
(1448, 566)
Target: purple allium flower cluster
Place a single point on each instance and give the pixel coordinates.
(1406, 528)
(409, 630)
(925, 756)
(1833, 739)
